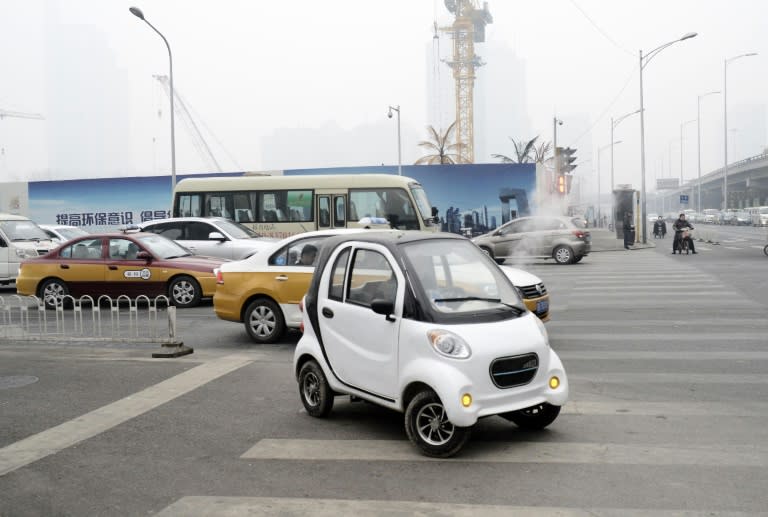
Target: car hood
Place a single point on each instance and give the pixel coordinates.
(518, 277)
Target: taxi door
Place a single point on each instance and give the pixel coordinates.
(128, 275)
(81, 266)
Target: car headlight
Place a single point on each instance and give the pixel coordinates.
(25, 253)
(449, 344)
(543, 330)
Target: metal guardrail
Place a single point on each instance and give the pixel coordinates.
(139, 320)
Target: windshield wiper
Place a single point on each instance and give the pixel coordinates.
(478, 298)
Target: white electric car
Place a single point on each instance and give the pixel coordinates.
(428, 325)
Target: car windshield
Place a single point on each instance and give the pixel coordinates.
(161, 247)
(237, 230)
(421, 201)
(71, 233)
(23, 231)
(454, 278)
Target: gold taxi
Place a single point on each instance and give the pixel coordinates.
(532, 289)
(263, 291)
(115, 264)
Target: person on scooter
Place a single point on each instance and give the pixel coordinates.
(659, 228)
(679, 226)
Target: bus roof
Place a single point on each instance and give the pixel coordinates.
(300, 181)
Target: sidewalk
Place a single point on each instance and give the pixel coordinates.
(605, 240)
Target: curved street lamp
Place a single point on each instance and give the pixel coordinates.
(644, 60)
(399, 155)
(599, 150)
(140, 15)
(615, 123)
(698, 140)
(725, 123)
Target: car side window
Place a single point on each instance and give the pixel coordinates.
(514, 227)
(372, 278)
(122, 249)
(197, 231)
(84, 249)
(303, 252)
(336, 289)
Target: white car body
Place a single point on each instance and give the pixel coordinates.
(382, 359)
(60, 233)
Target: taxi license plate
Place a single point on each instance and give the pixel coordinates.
(542, 306)
(588, 238)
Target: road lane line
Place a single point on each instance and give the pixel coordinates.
(669, 409)
(69, 433)
(213, 506)
(514, 452)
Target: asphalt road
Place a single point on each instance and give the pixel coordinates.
(667, 358)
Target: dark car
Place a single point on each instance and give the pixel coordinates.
(564, 239)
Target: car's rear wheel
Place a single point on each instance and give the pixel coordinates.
(315, 394)
(429, 429)
(563, 254)
(53, 292)
(184, 291)
(577, 259)
(535, 417)
(264, 321)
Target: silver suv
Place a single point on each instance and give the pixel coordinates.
(564, 239)
(210, 236)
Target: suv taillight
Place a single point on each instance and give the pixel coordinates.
(578, 233)
(219, 277)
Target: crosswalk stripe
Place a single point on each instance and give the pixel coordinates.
(670, 378)
(667, 355)
(81, 428)
(215, 506)
(730, 337)
(743, 408)
(513, 452)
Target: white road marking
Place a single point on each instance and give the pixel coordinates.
(69, 433)
(513, 452)
(212, 506)
(743, 408)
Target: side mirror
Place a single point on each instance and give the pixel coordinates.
(144, 255)
(384, 307)
(216, 236)
(434, 211)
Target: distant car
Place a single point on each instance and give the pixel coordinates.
(263, 291)
(210, 236)
(534, 293)
(61, 233)
(741, 218)
(117, 264)
(558, 237)
(652, 218)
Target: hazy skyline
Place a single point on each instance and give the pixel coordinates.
(253, 70)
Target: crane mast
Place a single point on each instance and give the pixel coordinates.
(181, 109)
(468, 27)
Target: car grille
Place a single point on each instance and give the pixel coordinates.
(507, 372)
(533, 291)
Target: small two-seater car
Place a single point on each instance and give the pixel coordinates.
(428, 325)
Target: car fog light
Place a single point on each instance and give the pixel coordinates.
(554, 382)
(466, 400)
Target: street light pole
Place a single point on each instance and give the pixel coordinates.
(613, 126)
(138, 14)
(725, 124)
(681, 148)
(399, 155)
(698, 145)
(644, 60)
(599, 150)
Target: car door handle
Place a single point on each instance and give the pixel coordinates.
(64, 266)
(328, 313)
(113, 268)
(281, 278)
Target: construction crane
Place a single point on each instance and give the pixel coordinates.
(468, 27)
(182, 111)
(17, 114)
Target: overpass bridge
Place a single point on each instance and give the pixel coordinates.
(747, 186)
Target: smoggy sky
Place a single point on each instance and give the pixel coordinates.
(249, 67)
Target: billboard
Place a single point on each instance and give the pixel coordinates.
(667, 183)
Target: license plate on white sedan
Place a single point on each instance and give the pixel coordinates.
(542, 307)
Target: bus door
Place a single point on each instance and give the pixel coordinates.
(331, 211)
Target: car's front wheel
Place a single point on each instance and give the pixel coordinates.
(184, 291)
(315, 394)
(563, 254)
(53, 292)
(428, 427)
(264, 321)
(535, 417)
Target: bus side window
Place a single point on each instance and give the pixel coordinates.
(324, 211)
(340, 219)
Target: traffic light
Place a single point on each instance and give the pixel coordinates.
(567, 157)
(561, 185)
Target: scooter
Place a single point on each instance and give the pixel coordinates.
(682, 243)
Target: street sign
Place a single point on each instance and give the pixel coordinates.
(684, 199)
